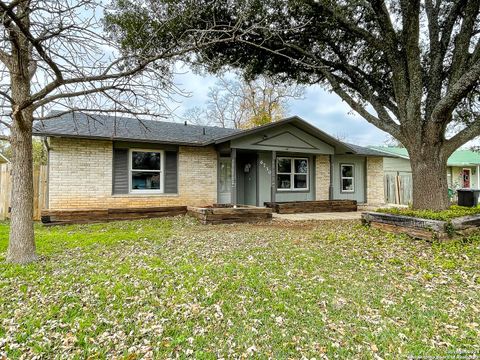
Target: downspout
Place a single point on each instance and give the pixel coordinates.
(330, 186)
(478, 176)
(47, 192)
(233, 156)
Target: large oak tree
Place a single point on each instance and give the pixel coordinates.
(409, 67)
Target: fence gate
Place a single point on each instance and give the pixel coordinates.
(39, 190)
(398, 187)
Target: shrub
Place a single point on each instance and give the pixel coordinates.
(453, 212)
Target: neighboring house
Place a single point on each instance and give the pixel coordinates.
(463, 171)
(3, 159)
(106, 161)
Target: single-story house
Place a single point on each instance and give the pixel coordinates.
(463, 171)
(107, 161)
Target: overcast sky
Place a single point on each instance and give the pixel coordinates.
(321, 108)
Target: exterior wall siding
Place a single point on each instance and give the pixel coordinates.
(264, 179)
(396, 164)
(375, 181)
(358, 163)
(81, 177)
(456, 177)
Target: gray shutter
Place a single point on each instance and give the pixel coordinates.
(120, 171)
(171, 172)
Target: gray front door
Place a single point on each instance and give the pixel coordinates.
(250, 181)
(225, 181)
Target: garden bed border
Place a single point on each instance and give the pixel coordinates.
(312, 206)
(420, 228)
(228, 215)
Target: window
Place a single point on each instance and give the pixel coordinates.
(292, 173)
(225, 176)
(347, 178)
(146, 171)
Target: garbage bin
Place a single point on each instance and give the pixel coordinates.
(468, 197)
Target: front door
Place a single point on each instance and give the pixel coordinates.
(249, 173)
(466, 178)
(225, 181)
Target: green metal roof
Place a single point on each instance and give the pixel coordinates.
(458, 158)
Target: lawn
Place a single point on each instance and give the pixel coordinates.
(174, 288)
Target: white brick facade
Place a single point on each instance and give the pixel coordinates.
(80, 176)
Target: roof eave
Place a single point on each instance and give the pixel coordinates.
(462, 164)
(92, 137)
(391, 154)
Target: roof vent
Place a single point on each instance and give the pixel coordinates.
(185, 123)
(204, 131)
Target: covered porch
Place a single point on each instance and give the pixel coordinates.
(254, 178)
(291, 162)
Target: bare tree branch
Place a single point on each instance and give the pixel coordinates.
(8, 10)
(457, 92)
(57, 114)
(462, 137)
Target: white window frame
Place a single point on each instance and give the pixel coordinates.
(347, 177)
(161, 171)
(292, 173)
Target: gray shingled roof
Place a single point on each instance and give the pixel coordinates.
(130, 129)
(122, 128)
(360, 150)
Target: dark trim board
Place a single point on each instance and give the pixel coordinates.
(319, 206)
(81, 216)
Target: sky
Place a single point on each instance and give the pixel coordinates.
(319, 107)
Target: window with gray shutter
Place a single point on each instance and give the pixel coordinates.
(121, 172)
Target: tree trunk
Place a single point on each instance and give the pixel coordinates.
(21, 247)
(429, 173)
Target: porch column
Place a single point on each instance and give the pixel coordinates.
(330, 185)
(273, 189)
(233, 155)
(478, 176)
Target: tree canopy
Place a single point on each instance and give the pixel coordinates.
(408, 67)
(242, 104)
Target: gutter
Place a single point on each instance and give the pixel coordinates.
(71, 136)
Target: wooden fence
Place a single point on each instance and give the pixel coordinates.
(39, 190)
(398, 187)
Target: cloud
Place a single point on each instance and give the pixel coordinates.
(321, 108)
(329, 113)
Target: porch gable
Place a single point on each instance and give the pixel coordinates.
(284, 138)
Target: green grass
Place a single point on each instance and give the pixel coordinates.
(167, 288)
(453, 212)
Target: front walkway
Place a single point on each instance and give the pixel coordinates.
(351, 215)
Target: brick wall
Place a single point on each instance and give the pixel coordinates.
(322, 177)
(80, 176)
(375, 192)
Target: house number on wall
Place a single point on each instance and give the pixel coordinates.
(265, 166)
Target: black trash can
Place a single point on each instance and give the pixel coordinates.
(468, 197)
